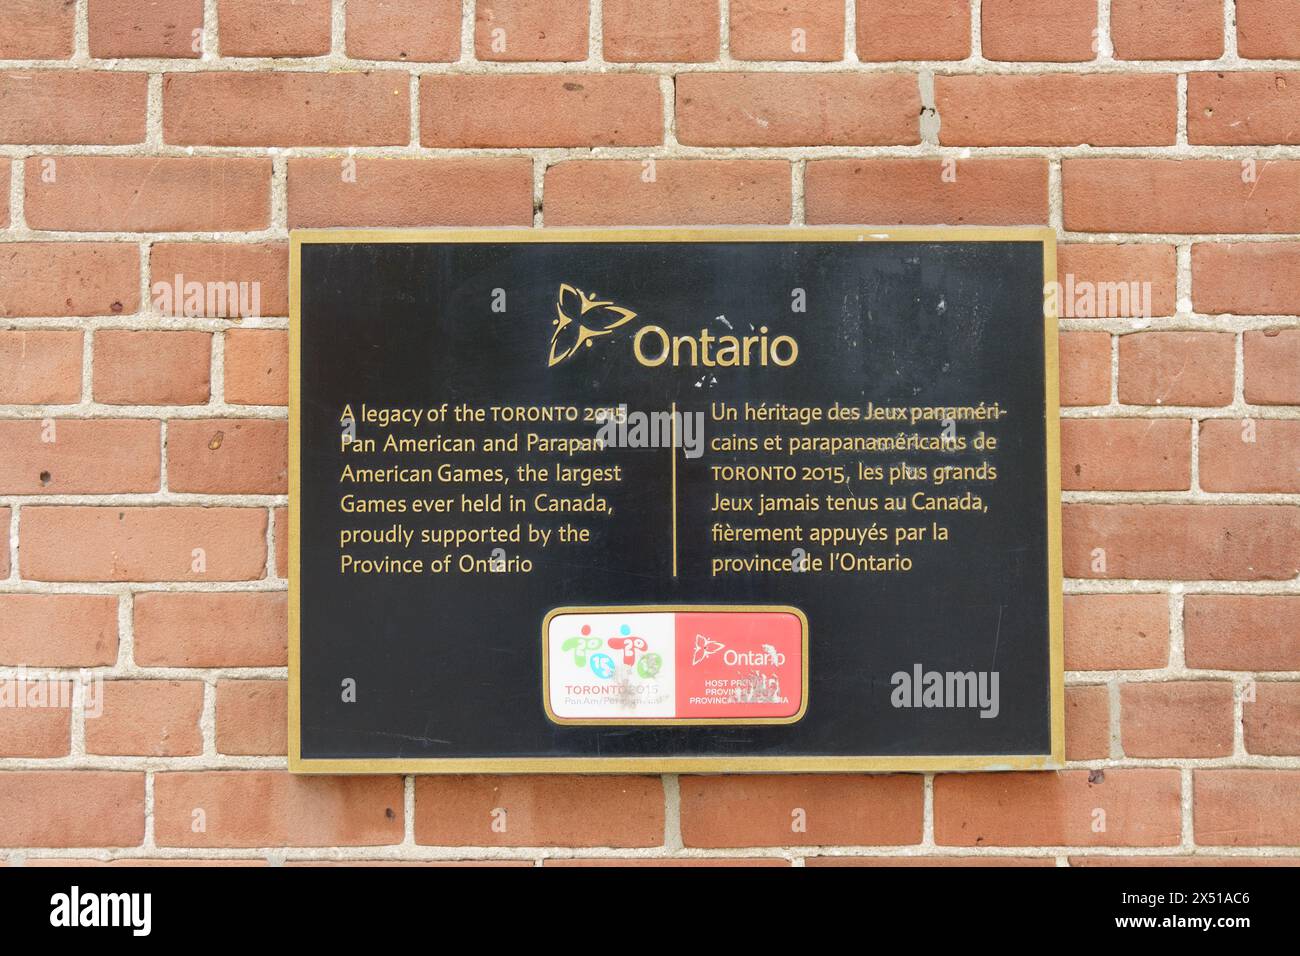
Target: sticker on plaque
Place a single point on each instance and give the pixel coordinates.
(675, 665)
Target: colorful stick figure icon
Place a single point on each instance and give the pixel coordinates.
(628, 644)
(581, 646)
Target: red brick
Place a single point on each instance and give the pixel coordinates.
(1182, 861)
(151, 718)
(255, 808)
(1140, 807)
(1087, 722)
(67, 107)
(1237, 109)
(530, 30)
(1176, 368)
(1180, 196)
(1058, 109)
(153, 28)
(252, 717)
(1246, 278)
(188, 861)
(419, 31)
(915, 861)
(615, 192)
(1271, 721)
(1166, 29)
(539, 811)
(226, 456)
(800, 810)
(549, 109)
(1177, 719)
(1246, 807)
(257, 367)
(281, 543)
(58, 630)
(65, 808)
(236, 629)
(1242, 632)
(77, 543)
(1100, 280)
(254, 274)
(688, 861)
(278, 28)
(6, 174)
(1084, 368)
(1268, 29)
(682, 31)
(287, 109)
(36, 720)
(896, 191)
(422, 863)
(67, 279)
(473, 191)
(1183, 542)
(1106, 632)
(1055, 31)
(916, 30)
(149, 193)
(152, 368)
(36, 29)
(793, 109)
(84, 457)
(1200, 860)
(1269, 462)
(766, 29)
(1272, 360)
(6, 521)
(40, 367)
(1126, 454)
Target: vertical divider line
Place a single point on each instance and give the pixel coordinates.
(672, 416)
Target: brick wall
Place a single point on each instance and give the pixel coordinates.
(142, 140)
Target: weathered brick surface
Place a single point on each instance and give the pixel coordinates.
(777, 109)
(411, 192)
(152, 718)
(256, 28)
(103, 456)
(1058, 109)
(1116, 631)
(40, 367)
(1062, 808)
(629, 192)
(1166, 29)
(1176, 719)
(739, 810)
(539, 811)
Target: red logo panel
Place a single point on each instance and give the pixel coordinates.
(737, 665)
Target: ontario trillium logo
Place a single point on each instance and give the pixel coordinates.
(580, 319)
(704, 648)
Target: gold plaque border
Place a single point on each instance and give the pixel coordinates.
(675, 609)
(1044, 235)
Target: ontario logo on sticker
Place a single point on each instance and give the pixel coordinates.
(691, 664)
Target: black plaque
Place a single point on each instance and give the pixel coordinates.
(779, 499)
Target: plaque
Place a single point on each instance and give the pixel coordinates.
(674, 500)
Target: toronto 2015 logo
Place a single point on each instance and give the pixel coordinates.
(590, 651)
